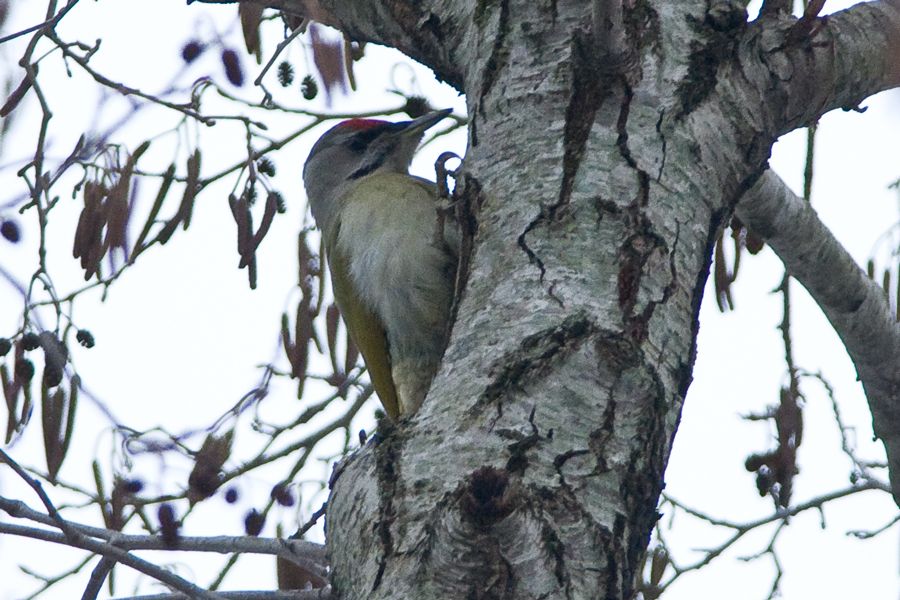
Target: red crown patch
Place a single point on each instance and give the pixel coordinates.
(361, 124)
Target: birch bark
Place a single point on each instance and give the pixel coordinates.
(608, 143)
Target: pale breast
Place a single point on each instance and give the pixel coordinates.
(399, 268)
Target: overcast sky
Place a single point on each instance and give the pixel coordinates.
(180, 338)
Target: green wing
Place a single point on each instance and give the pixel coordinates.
(366, 331)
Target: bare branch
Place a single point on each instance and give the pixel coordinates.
(855, 305)
(46, 25)
(818, 64)
(740, 529)
(223, 544)
(317, 594)
(114, 553)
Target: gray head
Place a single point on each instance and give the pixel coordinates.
(354, 149)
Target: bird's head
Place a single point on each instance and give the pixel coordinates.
(354, 149)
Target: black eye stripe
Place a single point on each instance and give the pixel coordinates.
(360, 141)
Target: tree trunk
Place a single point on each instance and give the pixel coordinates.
(608, 143)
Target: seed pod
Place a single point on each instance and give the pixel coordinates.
(285, 73)
(233, 70)
(168, 525)
(254, 522)
(10, 231)
(309, 88)
(85, 338)
(190, 51)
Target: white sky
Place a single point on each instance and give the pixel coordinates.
(179, 338)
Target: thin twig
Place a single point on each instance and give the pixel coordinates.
(98, 576)
(117, 554)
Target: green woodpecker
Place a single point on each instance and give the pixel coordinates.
(392, 268)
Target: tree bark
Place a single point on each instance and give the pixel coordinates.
(608, 143)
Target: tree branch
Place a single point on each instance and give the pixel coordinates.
(317, 594)
(817, 64)
(117, 554)
(410, 27)
(309, 554)
(854, 304)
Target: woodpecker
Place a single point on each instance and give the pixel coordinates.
(392, 264)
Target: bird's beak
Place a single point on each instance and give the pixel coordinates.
(418, 126)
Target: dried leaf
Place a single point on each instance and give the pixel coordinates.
(351, 355)
(16, 95)
(191, 187)
(268, 215)
(167, 179)
(55, 357)
(754, 242)
(721, 279)
(89, 221)
(813, 8)
(332, 318)
(240, 210)
(251, 15)
(168, 525)
(658, 565)
(328, 56)
(206, 476)
(303, 332)
(286, 342)
(11, 396)
(118, 210)
(101, 494)
(308, 265)
(348, 62)
(53, 411)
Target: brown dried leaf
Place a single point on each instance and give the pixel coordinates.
(348, 61)
(813, 8)
(251, 15)
(303, 332)
(206, 476)
(244, 221)
(191, 187)
(268, 215)
(86, 228)
(168, 525)
(15, 97)
(897, 299)
(89, 244)
(721, 280)
(119, 210)
(53, 409)
(164, 186)
(328, 57)
(658, 564)
(101, 495)
(754, 243)
(352, 354)
(11, 395)
(332, 318)
(55, 357)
